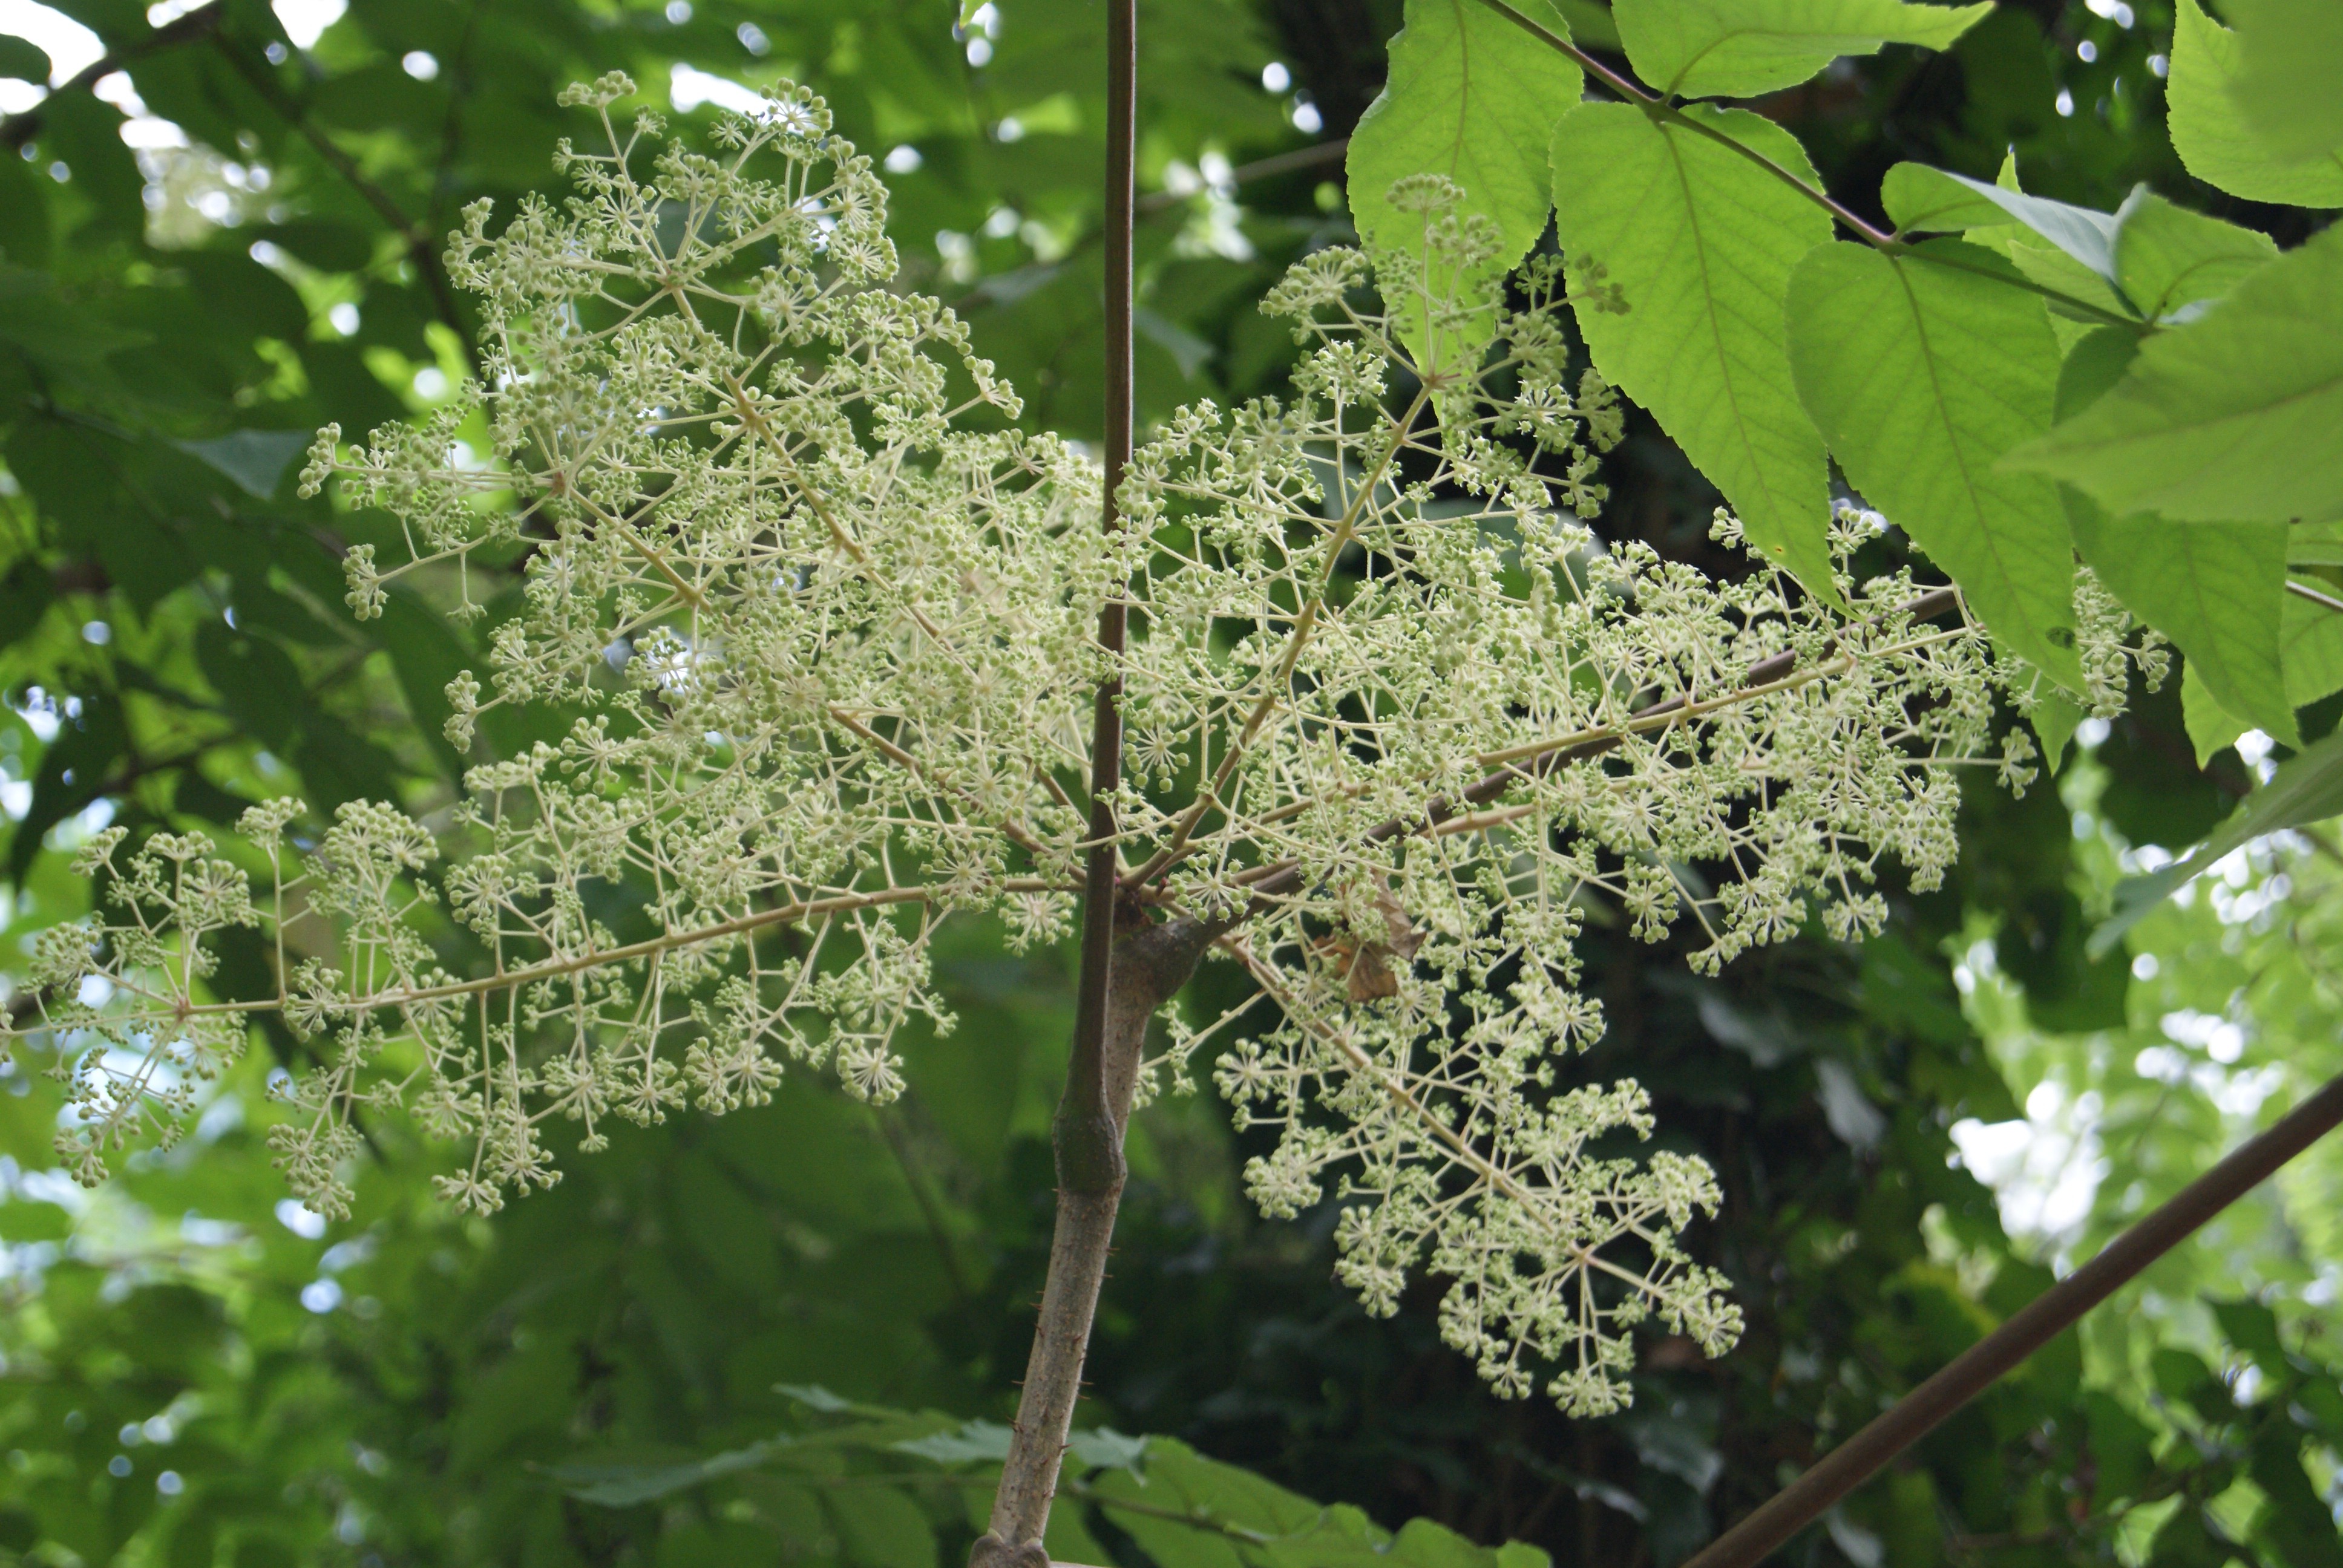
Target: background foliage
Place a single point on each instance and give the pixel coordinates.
(197, 1373)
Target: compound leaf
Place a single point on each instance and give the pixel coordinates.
(2168, 258)
(1698, 244)
(2289, 66)
(1924, 200)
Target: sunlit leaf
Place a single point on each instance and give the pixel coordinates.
(2231, 417)
(1693, 245)
(1740, 48)
(2214, 138)
(1920, 376)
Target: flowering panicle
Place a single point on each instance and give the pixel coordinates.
(810, 661)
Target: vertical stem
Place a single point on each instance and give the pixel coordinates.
(1109, 1020)
(1082, 1115)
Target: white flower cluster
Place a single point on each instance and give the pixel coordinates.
(810, 665)
(1401, 724)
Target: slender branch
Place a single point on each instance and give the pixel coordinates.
(1659, 108)
(1276, 164)
(417, 237)
(1281, 682)
(1108, 1018)
(554, 968)
(19, 129)
(1977, 1368)
(1761, 678)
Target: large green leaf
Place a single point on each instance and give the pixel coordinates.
(2168, 258)
(2231, 417)
(1473, 97)
(1740, 48)
(1924, 200)
(1920, 376)
(2307, 788)
(2215, 589)
(1700, 243)
(2290, 80)
(2214, 138)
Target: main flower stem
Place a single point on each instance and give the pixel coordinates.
(1121, 981)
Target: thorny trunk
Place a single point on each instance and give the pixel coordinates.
(1129, 968)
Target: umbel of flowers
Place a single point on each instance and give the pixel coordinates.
(804, 625)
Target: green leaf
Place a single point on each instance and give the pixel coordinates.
(1700, 243)
(26, 594)
(2210, 726)
(2289, 82)
(256, 681)
(1740, 48)
(2293, 1516)
(2313, 641)
(2168, 258)
(1591, 25)
(1924, 200)
(2231, 417)
(624, 1485)
(2122, 1445)
(2215, 140)
(1472, 97)
(1920, 376)
(884, 1527)
(255, 459)
(22, 58)
(2307, 788)
(2215, 589)
(2055, 717)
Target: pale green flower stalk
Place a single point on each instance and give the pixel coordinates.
(814, 631)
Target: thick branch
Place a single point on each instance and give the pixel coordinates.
(1110, 1019)
(1149, 966)
(2042, 1320)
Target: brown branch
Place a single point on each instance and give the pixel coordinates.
(2042, 1320)
(413, 231)
(1265, 168)
(19, 129)
(1110, 1019)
